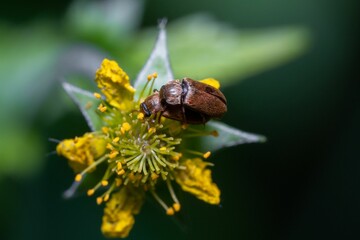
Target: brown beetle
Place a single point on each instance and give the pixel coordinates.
(187, 101)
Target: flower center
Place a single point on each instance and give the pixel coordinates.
(141, 150)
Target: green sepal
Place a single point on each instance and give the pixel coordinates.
(157, 62)
(87, 104)
(227, 137)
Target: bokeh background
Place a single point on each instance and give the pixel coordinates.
(299, 86)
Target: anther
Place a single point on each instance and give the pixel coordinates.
(120, 172)
(104, 183)
(113, 154)
(78, 177)
(149, 77)
(99, 200)
(106, 197)
(207, 155)
(154, 176)
(105, 130)
(152, 130)
(176, 207)
(90, 192)
(170, 211)
(102, 108)
(118, 166)
(97, 95)
(126, 126)
(176, 157)
(140, 116)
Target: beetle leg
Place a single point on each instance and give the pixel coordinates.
(185, 89)
(183, 113)
(159, 116)
(204, 119)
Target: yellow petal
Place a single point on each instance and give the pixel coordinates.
(119, 212)
(212, 82)
(196, 179)
(115, 85)
(81, 152)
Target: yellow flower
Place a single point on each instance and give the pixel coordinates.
(119, 212)
(115, 85)
(82, 151)
(212, 82)
(138, 152)
(196, 179)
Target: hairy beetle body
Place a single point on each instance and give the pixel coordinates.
(187, 100)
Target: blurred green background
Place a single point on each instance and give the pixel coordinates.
(300, 89)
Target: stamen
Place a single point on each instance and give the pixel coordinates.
(78, 177)
(204, 155)
(140, 116)
(126, 126)
(109, 146)
(102, 108)
(154, 176)
(152, 130)
(143, 90)
(99, 200)
(105, 130)
(100, 160)
(113, 154)
(121, 172)
(170, 211)
(152, 84)
(149, 77)
(105, 197)
(160, 201)
(172, 193)
(104, 183)
(176, 207)
(176, 157)
(150, 164)
(118, 166)
(90, 192)
(207, 155)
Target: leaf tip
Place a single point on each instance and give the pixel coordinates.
(162, 23)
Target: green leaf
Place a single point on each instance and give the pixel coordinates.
(24, 163)
(87, 103)
(104, 21)
(157, 62)
(28, 66)
(228, 137)
(202, 47)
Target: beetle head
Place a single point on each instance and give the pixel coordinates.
(151, 105)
